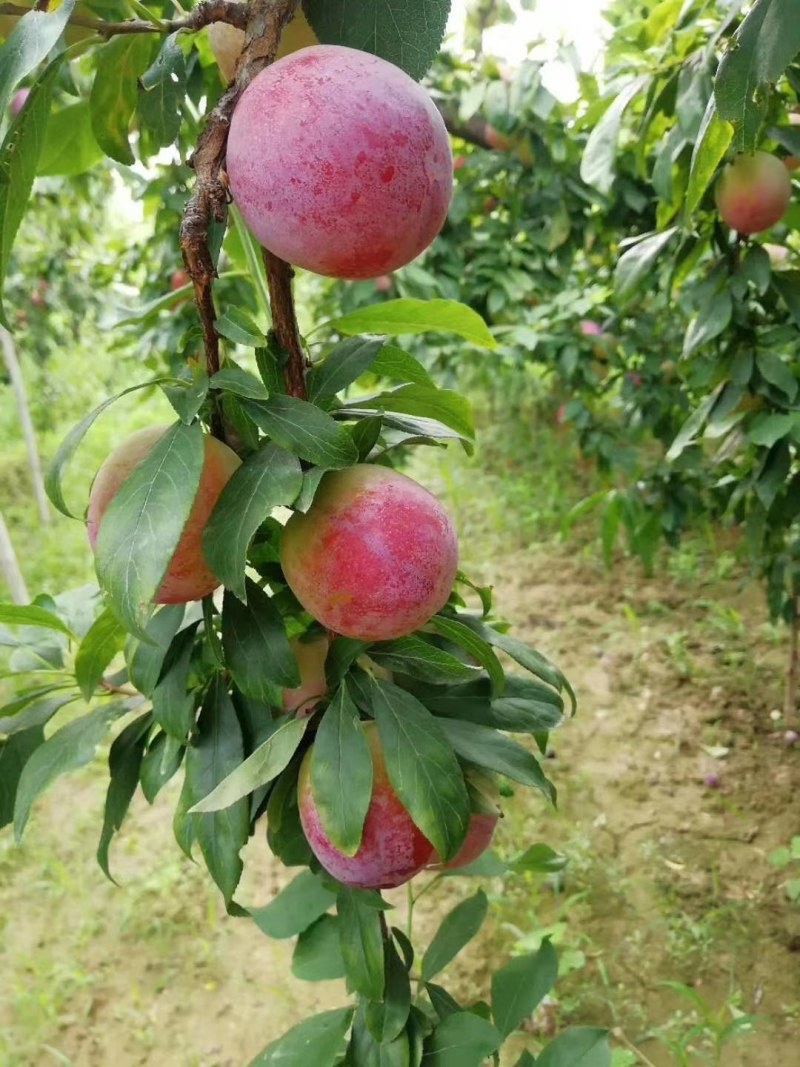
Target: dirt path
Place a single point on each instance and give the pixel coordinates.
(668, 880)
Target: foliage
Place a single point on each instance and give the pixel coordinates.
(197, 689)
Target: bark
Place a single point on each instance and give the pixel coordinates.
(18, 384)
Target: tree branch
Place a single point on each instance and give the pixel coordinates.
(284, 323)
(265, 21)
(473, 131)
(206, 12)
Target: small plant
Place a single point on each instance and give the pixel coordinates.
(704, 1034)
(789, 859)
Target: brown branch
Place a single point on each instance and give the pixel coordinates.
(284, 323)
(264, 25)
(206, 12)
(473, 131)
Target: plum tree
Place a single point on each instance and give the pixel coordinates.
(227, 42)
(340, 163)
(392, 849)
(310, 654)
(374, 557)
(188, 576)
(753, 192)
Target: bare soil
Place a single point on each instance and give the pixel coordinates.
(669, 879)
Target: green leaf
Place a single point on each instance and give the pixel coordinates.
(305, 430)
(521, 985)
(777, 373)
(295, 908)
(189, 392)
(284, 831)
(142, 525)
(456, 930)
(120, 64)
(538, 859)
(416, 656)
(579, 1047)
(30, 41)
(32, 712)
(239, 327)
(441, 1001)
(445, 406)
(239, 382)
(475, 646)
(124, 762)
(765, 430)
(461, 1040)
(764, 45)
(634, 266)
(362, 944)
(526, 656)
(216, 750)
(32, 615)
(69, 146)
(367, 1051)
(600, 152)
(386, 1020)
(407, 33)
(19, 158)
(103, 641)
(146, 658)
(257, 649)
(14, 754)
(407, 316)
(265, 764)
(491, 749)
(787, 283)
(399, 366)
(318, 955)
(160, 764)
(342, 366)
(709, 150)
(268, 478)
(318, 1041)
(71, 747)
(414, 426)
(422, 768)
(709, 322)
(693, 425)
(173, 704)
(161, 92)
(341, 773)
(69, 445)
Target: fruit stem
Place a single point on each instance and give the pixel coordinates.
(284, 323)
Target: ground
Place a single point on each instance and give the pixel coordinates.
(669, 881)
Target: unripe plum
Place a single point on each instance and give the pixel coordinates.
(188, 576)
(227, 42)
(374, 557)
(340, 163)
(392, 849)
(310, 656)
(753, 192)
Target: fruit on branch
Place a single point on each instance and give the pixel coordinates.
(392, 849)
(374, 557)
(310, 655)
(179, 278)
(484, 795)
(791, 163)
(459, 162)
(384, 283)
(496, 140)
(227, 42)
(340, 163)
(188, 576)
(589, 328)
(18, 100)
(753, 192)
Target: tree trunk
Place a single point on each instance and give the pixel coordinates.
(792, 665)
(15, 373)
(9, 567)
